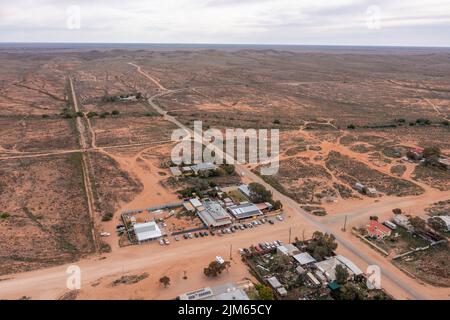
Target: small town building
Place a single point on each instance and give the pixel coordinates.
(204, 166)
(359, 186)
(372, 192)
(186, 170)
(146, 231)
(264, 207)
(188, 206)
(403, 221)
(244, 211)
(288, 249)
(176, 172)
(415, 153)
(300, 270)
(328, 267)
(313, 279)
(304, 258)
(444, 163)
(243, 188)
(282, 291)
(377, 230)
(446, 220)
(227, 291)
(212, 214)
(195, 202)
(274, 283)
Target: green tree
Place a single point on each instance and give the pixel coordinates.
(397, 211)
(280, 263)
(341, 274)
(351, 291)
(437, 224)
(215, 268)
(165, 281)
(431, 152)
(115, 112)
(277, 205)
(418, 224)
(264, 292)
(322, 245)
(259, 193)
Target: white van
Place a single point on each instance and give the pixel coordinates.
(390, 225)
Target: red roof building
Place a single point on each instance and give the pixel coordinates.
(378, 230)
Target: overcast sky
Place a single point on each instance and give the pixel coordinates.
(333, 22)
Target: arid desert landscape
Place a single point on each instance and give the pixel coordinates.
(85, 143)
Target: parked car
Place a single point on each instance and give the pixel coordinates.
(206, 233)
(120, 226)
(196, 235)
(241, 251)
(177, 238)
(241, 227)
(105, 234)
(201, 234)
(185, 236)
(232, 230)
(161, 242)
(190, 235)
(271, 222)
(212, 233)
(166, 241)
(280, 218)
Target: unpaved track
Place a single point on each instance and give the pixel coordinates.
(85, 165)
(50, 283)
(289, 205)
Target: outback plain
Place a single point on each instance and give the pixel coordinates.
(85, 135)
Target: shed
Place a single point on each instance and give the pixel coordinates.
(146, 231)
(243, 188)
(274, 283)
(304, 258)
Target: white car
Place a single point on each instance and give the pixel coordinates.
(161, 242)
(105, 234)
(177, 238)
(280, 218)
(166, 241)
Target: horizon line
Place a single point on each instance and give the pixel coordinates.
(225, 44)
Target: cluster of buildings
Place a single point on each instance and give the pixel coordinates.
(226, 291)
(216, 213)
(371, 192)
(416, 154)
(194, 169)
(318, 273)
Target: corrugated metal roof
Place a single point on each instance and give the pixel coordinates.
(147, 231)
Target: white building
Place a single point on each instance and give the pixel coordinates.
(146, 231)
(243, 211)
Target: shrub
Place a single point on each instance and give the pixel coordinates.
(351, 126)
(107, 216)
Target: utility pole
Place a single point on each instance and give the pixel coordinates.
(345, 224)
(290, 231)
